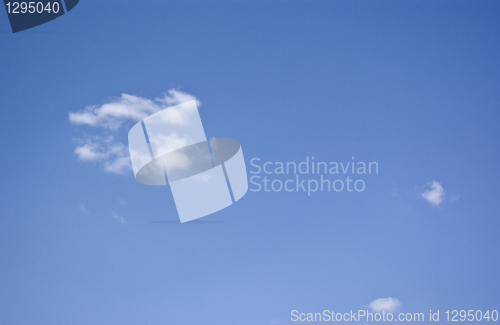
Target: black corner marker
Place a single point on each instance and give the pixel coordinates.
(28, 14)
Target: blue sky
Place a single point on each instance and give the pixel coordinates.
(412, 85)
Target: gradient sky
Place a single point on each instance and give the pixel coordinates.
(412, 85)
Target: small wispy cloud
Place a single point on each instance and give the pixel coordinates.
(434, 194)
(83, 209)
(118, 218)
(108, 118)
(385, 304)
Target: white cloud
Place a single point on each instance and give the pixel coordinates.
(385, 304)
(434, 194)
(118, 218)
(176, 97)
(88, 152)
(118, 166)
(127, 107)
(108, 118)
(114, 156)
(112, 114)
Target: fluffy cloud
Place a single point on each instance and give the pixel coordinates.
(113, 156)
(127, 107)
(434, 193)
(385, 304)
(111, 115)
(108, 119)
